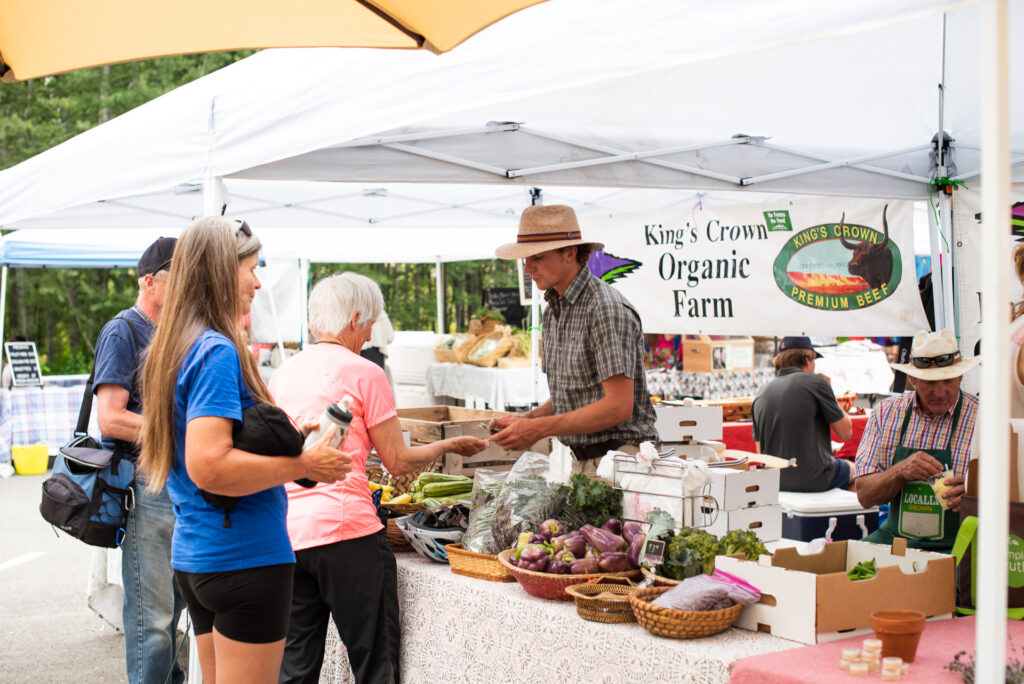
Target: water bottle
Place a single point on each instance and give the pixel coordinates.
(335, 414)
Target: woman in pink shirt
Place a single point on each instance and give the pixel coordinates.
(343, 564)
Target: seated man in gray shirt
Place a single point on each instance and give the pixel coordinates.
(792, 417)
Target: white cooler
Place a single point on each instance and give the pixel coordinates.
(834, 514)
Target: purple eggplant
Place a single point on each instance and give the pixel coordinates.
(575, 544)
(630, 530)
(557, 543)
(538, 539)
(633, 553)
(551, 528)
(592, 551)
(613, 561)
(603, 540)
(584, 566)
(612, 525)
(557, 567)
(565, 557)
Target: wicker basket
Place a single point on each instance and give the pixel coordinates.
(396, 538)
(478, 565)
(658, 580)
(679, 624)
(404, 509)
(550, 586)
(402, 483)
(603, 602)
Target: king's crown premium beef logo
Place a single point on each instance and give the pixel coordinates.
(839, 266)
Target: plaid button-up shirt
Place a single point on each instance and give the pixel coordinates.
(882, 434)
(591, 333)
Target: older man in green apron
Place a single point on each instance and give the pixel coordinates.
(911, 439)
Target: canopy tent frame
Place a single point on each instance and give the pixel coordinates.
(835, 179)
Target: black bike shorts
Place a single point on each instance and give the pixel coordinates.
(251, 606)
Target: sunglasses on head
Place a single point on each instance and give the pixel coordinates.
(243, 228)
(940, 361)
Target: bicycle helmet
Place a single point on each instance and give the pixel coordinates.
(429, 542)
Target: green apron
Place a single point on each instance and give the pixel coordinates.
(916, 514)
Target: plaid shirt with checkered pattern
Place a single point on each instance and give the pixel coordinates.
(882, 433)
(591, 333)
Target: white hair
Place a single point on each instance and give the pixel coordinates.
(334, 300)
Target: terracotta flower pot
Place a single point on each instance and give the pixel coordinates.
(900, 632)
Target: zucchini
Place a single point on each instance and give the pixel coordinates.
(432, 478)
(438, 489)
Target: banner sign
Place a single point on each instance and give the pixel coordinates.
(841, 266)
(968, 225)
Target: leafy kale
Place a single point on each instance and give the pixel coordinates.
(663, 525)
(595, 500)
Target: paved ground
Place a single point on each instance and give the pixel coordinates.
(47, 632)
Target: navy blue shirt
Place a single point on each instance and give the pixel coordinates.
(119, 362)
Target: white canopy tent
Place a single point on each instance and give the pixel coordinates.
(790, 97)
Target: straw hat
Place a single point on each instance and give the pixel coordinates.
(543, 228)
(936, 347)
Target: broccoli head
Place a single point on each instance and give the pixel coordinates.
(742, 541)
(705, 544)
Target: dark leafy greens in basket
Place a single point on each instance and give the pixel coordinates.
(595, 501)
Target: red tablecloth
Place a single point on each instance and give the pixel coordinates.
(940, 642)
(737, 436)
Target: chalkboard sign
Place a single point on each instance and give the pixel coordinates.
(525, 285)
(24, 363)
(506, 300)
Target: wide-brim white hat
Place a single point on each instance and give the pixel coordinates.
(543, 228)
(929, 345)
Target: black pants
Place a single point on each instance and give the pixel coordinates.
(357, 581)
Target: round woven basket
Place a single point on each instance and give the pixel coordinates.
(546, 585)
(478, 565)
(658, 580)
(404, 509)
(679, 624)
(603, 602)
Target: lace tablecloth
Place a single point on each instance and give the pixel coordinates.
(462, 630)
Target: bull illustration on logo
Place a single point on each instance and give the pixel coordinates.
(871, 262)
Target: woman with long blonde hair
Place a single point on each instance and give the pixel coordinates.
(197, 380)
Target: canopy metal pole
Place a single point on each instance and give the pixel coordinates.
(305, 273)
(534, 346)
(439, 274)
(938, 301)
(3, 308)
(993, 420)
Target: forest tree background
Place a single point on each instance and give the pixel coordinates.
(63, 310)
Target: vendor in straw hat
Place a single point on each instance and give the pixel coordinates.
(592, 347)
(914, 437)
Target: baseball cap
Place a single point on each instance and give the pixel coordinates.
(797, 343)
(157, 256)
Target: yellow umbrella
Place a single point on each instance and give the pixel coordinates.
(43, 37)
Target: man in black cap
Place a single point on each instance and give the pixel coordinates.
(152, 604)
(793, 415)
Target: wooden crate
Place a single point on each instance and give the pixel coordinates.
(428, 424)
(707, 354)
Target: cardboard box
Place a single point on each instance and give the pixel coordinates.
(765, 521)
(704, 354)
(810, 599)
(428, 424)
(687, 423)
(735, 489)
